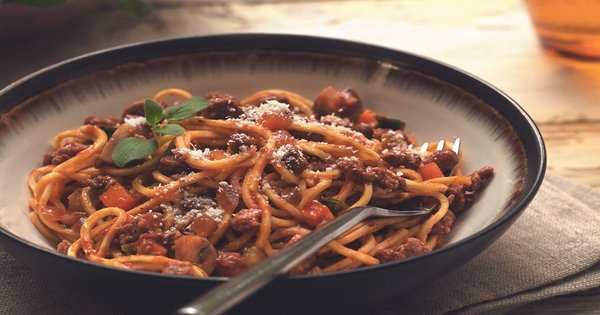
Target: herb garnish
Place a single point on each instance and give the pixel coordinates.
(128, 248)
(334, 204)
(390, 123)
(135, 148)
(131, 149)
(186, 109)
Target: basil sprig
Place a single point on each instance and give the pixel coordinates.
(131, 149)
(135, 148)
(186, 109)
(153, 112)
(170, 129)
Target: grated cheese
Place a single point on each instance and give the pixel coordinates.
(134, 121)
(282, 151)
(268, 107)
(194, 154)
(199, 206)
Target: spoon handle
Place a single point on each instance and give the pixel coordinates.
(230, 293)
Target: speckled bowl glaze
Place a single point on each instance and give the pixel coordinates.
(436, 100)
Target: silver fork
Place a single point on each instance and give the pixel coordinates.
(230, 293)
(440, 146)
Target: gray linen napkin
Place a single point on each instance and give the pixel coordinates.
(552, 250)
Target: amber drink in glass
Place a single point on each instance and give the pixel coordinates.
(569, 27)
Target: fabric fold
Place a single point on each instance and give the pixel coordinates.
(551, 250)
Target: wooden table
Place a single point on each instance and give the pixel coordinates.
(491, 39)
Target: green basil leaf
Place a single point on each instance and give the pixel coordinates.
(108, 129)
(170, 129)
(186, 109)
(334, 204)
(42, 3)
(390, 123)
(127, 248)
(153, 112)
(131, 149)
(134, 8)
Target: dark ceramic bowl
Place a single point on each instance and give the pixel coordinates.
(436, 100)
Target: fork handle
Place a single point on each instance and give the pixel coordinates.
(230, 293)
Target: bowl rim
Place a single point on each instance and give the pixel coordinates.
(89, 63)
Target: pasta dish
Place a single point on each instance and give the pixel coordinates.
(210, 186)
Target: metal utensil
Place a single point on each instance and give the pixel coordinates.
(230, 293)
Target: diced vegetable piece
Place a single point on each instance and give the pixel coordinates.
(367, 116)
(430, 170)
(118, 196)
(148, 244)
(228, 197)
(128, 248)
(197, 250)
(204, 226)
(274, 121)
(316, 213)
(334, 204)
(345, 103)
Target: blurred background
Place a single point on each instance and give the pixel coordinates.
(494, 40)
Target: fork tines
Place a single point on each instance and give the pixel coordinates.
(440, 145)
(456, 145)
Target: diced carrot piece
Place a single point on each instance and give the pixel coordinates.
(316, 213)
(118, 196)
(430, 170)
(148, 245)
(368, 117)
(275, 121)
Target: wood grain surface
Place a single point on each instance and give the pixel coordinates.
(493, 40)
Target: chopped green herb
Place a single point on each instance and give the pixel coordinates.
(390, 123)
(170, 129)
(334, 204)
(127, 248)
(186, 109)
(132, 149)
